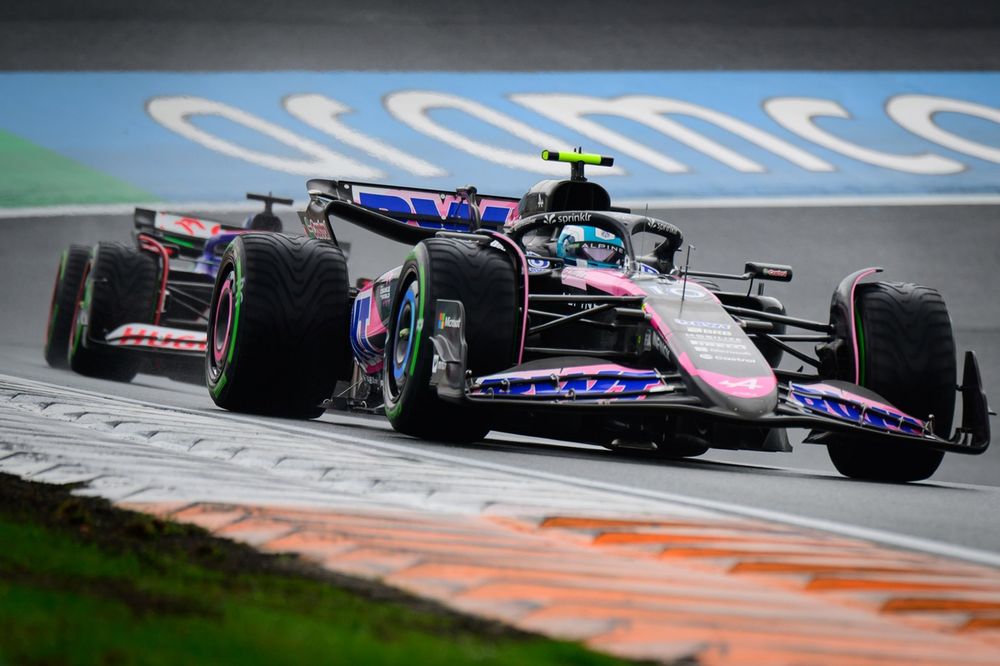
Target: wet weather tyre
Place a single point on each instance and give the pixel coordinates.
(120, 287)
(484, 281)
(59, 328)
(278, 326)
(907, 355)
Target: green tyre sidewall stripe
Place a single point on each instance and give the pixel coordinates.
(422, 280)
(397, 406)
(237, 301)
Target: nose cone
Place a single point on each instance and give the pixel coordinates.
(717, 359)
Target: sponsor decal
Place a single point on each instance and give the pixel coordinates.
(653, 224)
(687, 292)
(748, 383)
(703, 324)
(361, 322)
(446, 321)
(610, 383)
(315, 228)
(727, 359)
(187, 226)
(831, 401)
(775, 272)
(644, 268)
(157, 337)
(567, 218)
(537, 265)
(443, 206)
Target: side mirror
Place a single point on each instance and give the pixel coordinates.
(759, 270)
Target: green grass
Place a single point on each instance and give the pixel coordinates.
(84, 583)
(31, 175)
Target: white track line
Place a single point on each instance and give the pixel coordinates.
(825, 201)
(871, 534)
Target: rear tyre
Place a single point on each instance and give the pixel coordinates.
(120, 287)
(59, 329)
(278, 326)
(483, 280)
(907, 356)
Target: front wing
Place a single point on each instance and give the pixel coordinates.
(821, 405)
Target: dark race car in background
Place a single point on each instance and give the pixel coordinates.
(560, 315)
(118, 308)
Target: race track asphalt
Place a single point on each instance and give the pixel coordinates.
(951, 248)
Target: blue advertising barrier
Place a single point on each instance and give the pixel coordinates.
(213, 136)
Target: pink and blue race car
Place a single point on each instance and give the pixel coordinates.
(542, 315)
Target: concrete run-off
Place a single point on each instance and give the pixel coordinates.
(636, 577)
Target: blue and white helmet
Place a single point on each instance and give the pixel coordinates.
(590, 246)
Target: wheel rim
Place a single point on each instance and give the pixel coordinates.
(403, 334)
(221, 328)
(223, 310)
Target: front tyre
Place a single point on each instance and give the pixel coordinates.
(907, 355)
(277, 330)
(484, 281)
(69, 280)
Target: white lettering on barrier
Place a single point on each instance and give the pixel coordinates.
(322, 113)
(412, 106)
(796, 115)
(916, 114)
(174, 113)
(650, 111)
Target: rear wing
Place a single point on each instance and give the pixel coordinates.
(159, 223)
(187, 233)
(403, 214)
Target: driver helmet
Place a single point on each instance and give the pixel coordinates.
(590, 246)
(263, 222)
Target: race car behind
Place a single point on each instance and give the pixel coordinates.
(118, 308)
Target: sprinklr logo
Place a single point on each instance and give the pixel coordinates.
(445, 321)
(553, 218)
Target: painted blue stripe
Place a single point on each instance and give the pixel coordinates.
(100, 120)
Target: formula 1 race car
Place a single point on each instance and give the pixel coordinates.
(120, 307)
(539, 316)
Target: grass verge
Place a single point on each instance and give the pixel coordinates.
(31, 175)
(82, 582)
